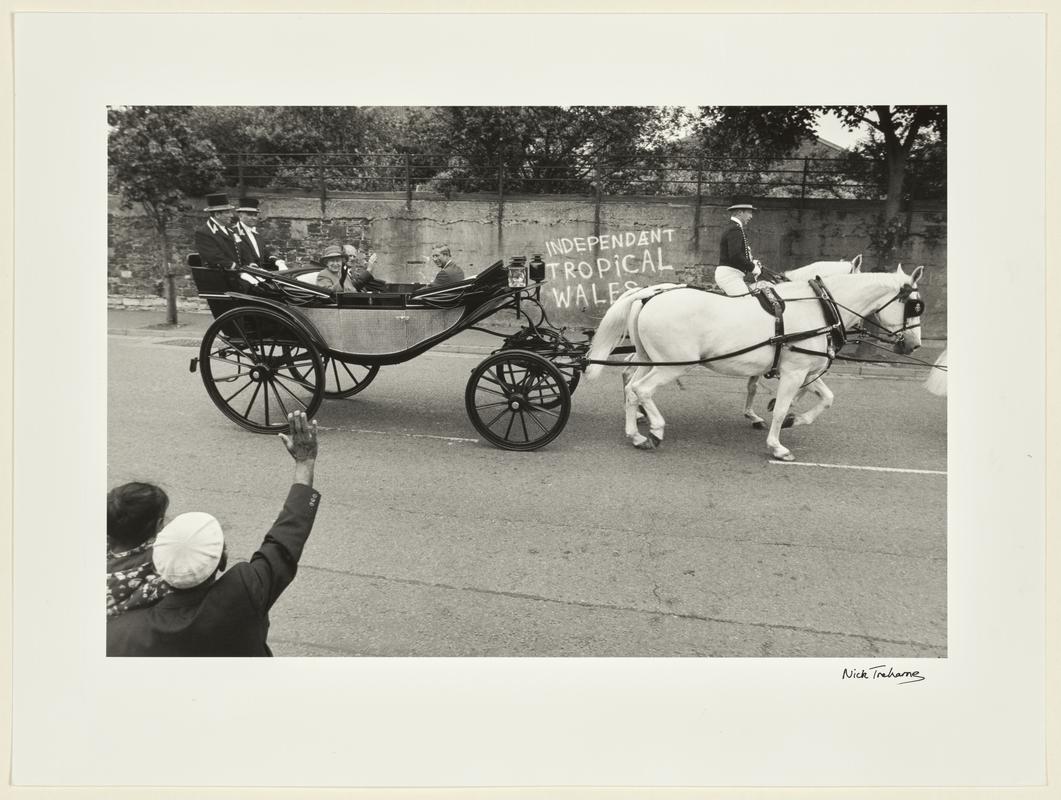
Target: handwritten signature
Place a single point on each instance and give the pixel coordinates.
(883, 671)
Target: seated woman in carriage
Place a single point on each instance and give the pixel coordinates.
(339, 275)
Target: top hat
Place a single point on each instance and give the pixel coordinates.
(217, 202)
(742, 207)
(249, 204)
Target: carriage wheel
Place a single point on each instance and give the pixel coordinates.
(569, 365)
(517, 400)
(258, 367)
(342, 379)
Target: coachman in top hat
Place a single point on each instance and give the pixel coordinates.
(216, 242)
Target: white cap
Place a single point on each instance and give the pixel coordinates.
(188, 550)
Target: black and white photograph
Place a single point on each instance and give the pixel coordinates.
(586, 400)
(586, 381)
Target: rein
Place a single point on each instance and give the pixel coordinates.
(827, 300)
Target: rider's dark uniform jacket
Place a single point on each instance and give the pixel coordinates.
(734, 251)
(216, 246)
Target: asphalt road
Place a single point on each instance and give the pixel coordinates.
(430, 543)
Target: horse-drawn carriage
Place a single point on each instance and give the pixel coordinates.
(280, 344)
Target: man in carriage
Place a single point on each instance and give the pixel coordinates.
(216, 242)
(253, 252)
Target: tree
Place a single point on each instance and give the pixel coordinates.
(156, 161)
(901, 131)
(551, 149)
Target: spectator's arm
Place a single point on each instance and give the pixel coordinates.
(273, 567)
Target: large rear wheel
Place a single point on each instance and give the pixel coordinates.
(517, 400)
(258, 366)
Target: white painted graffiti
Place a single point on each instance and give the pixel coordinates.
(599, 280)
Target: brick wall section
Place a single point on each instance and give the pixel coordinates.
(783, 235)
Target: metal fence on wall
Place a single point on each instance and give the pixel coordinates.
(412, 174)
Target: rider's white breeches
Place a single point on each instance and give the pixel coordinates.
(731, 281)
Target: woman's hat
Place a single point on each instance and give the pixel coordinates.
(249, 204)
(217, 202)
(332, 251)
(188, 550)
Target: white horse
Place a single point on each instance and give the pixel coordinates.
(682, 327)
(819, 269)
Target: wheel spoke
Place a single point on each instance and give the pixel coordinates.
(523, 423)
(294, 396)
(265, 395)
(242, 388)
(247, 413)
(500, 414)
(508, 430)
(496, 382)
(543, 410)
(279, 401)
(247, 342)
(535, 420)
(491, 391)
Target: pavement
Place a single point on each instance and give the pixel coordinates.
(192, 325)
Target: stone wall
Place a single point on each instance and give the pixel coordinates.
(593, 254)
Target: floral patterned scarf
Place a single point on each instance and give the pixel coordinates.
(132, 581)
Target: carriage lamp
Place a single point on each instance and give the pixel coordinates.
(537, 268)
(517, 272)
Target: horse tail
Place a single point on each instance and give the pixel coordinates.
(612, 328)
(936, 382)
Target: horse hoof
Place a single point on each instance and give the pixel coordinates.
(656, 440)
(790, 420)
(770, 405)
(784, 457)
(759, 425)
(647, 444)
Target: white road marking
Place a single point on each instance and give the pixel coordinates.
(852, 466)
(398, 433)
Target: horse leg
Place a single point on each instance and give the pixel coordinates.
(629, 373)
(788, 387)
(825, 400)
(643, 391)
(630, 401)
(749, 412)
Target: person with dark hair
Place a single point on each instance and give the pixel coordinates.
(135, 513)
(213, 611)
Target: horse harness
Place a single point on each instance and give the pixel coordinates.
(774, 305)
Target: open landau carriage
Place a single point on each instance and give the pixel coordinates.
(279, 344)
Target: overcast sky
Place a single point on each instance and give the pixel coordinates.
(830, 129)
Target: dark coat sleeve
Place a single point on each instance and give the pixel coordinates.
(212, 251)
(273, 566)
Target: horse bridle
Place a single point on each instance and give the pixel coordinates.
(913, 308)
